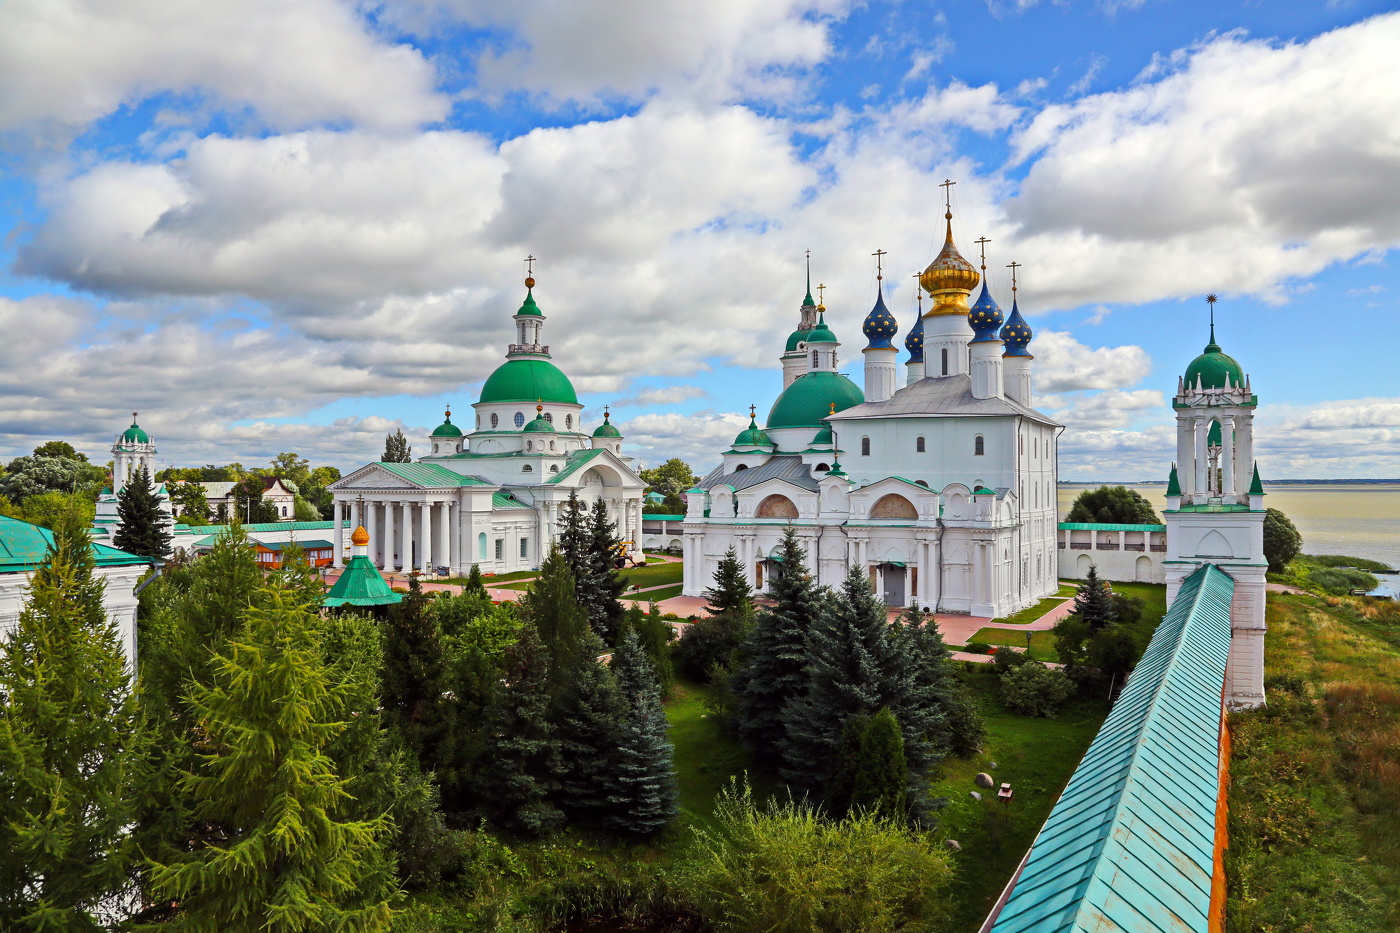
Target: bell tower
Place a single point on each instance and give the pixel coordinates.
(1215, 504)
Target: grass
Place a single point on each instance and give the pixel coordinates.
(655, 575)
(706, 755)
(1042, 643)
(1031, 613)
(1314, 787)
(1036, 757)
(648, 596)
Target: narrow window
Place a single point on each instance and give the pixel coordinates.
(814, 359)
(554, 468)
(919, 445)
(979, 447)
(944, 351)
(481, 546)
(500, 549)
(551, 445)
(524, 548)
(569, 421)
(495, 419)
(865, 446)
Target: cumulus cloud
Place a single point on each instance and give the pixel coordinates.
(697, 438)
(1113, 408)
(66, 63)
(666, 395)
(1063, 364)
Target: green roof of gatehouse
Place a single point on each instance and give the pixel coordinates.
(360, 584)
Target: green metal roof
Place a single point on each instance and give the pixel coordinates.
(263, 526)
(23, 546)
(532, 380)
(134, 435)
(652, 517)
(1256, 486)
(821, 333)
(528, 306)
(607, 428)
(1214, 368)
(1108, 526)
(576, 460)
(447, 428)
(540, 426)
(361, 585)
(796, 337)
(431, 475)
(317, 543)
(1130, 846)
(807, 402)
(504, 500)
(1174, 484)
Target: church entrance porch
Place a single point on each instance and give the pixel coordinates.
(893, 576)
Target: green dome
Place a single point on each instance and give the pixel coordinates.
(540, 426)
(796, 337)
(134, 434)
(1213, 367)
(528, 381)
(823, 437)
(821, 333)
(808, 401)
(606, 429)
(447, 428)
(752, 436)
(529, 306)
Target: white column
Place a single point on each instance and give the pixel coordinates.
(390, 565)
(406, 536)
(443, 549)
(1185, 476)
(1201, 484)
(372, 527)
(338, 533)
(1227, 457)
(426, 551)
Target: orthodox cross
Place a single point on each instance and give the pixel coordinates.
(821, 294)
(1013, 266)
(530, 265)
(879, 255)
(982, 242)
(947, 187)
(753, 412)
(920, 289)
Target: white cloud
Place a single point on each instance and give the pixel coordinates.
(66, 63)
(1063, 364)
(697, 438)
(1112, 408)
(666, 395)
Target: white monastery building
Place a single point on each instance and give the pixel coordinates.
(943, 489)
(494, 496)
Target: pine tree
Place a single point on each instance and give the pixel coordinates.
(590, 716)
(774, 667)
(413, 671)
(654, 634)
(396, 448)
(880, 782)
(141, 519)
(730, 596)
(561, 623)
(475, 585)
(602, 589)
(1093, 603)
(520, 778)
(645, 799)
(292, 859)
(70, 747)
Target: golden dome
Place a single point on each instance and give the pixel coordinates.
(359, 537)
(949, 270)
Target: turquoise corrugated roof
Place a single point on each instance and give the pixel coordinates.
(575, 460)
(1108, 526)
(431, 475)
(23, 546)
(264, 526)
(502, 500)
(1130, 846)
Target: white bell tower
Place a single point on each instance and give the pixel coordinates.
(131, 450)
(1215, 505)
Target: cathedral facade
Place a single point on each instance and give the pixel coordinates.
(494, 494)
(942, 490)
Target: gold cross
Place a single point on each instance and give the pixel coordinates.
(821, 294)
(947, 187)
(530, 265)
(920, 289)
(753, 411)
(982, 242)
(879, 255)
(1013, 266)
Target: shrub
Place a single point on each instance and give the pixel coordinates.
(977, 647)
(1035, 690)
(1339, 581)
(780, 868)
(1006, 659)
(1341, 560)
(1282, 541)
(706, 643)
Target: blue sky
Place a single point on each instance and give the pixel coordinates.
(280, 227)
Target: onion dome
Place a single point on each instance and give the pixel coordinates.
(820, 333)
(1017, 333)
(824, 437)
(134, 434)
(447, 428)
(607, 428)
(359, 537)
(880, 326)
(949, 270)
(797, 337)
(752, 436)
(985, 318)
(1215, 369)
(529, 307)
(808, 401)
(522, 380)
(540, 425)
(914, 342)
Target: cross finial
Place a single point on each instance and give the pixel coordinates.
(920, 289)
(821, 294)
(753, 412)
(1013, 266)
(982, 242)
(133, 417)
(947, 187)
(530, 264)
(833, 408)
(1211, 299)
(879, 255)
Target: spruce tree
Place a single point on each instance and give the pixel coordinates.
(141, 528)
(475, 585)
(590, 717)
(654, 634)
(292, 860)
(880, 783)
(561, 623)
(730, 595)
(602, 589)
(70, 746)
(520, 779)
(774, 667)
(413, 670)
(1093, 603)
(645, 799)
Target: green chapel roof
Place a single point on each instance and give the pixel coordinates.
(360, 584)
(807, 402)
(1256, 486)
(23, 546)
(447, 428)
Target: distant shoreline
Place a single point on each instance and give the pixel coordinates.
(1270, 482)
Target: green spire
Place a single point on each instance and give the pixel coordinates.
(1256, 488)
(808, 300)
(529, 306)
(1173, 484)
(361, 584)
(836, 469)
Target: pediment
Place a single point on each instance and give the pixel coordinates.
(372, 476)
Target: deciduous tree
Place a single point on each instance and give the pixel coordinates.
(1113, 504)
(1282, 540)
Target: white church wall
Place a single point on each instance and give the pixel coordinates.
(949, 454)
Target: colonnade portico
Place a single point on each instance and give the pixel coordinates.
(406, 533)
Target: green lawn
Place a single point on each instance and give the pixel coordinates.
(1036, 757)
(1042, 643)
(647, 596)
(1031, 613)
(706, 756)
(654, 575)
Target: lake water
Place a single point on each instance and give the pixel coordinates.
(1359, 521)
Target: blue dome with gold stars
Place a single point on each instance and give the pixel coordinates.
(1016, 334)
(880, 325)
(914, 343)
(985, 317)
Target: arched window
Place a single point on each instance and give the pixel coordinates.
(823, 468)
(944, 351)
(529, 445)
(481, 546)
(918, 445)
(478, 421)
(520, 419)
(920, 482)
(741, 466)
(551, 445)
(776, 506)
(495, 419)
(527, 469)
(814, 359)
(865, 446)
(569, 421)
(549, 416)
(979, 446)
(554, 468)
(894, 506)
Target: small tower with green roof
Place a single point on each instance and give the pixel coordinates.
(132, 449)
(606, 435)
(446, 437)
(795, 354)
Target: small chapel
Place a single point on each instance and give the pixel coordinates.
(494, 494)
(942, 489)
